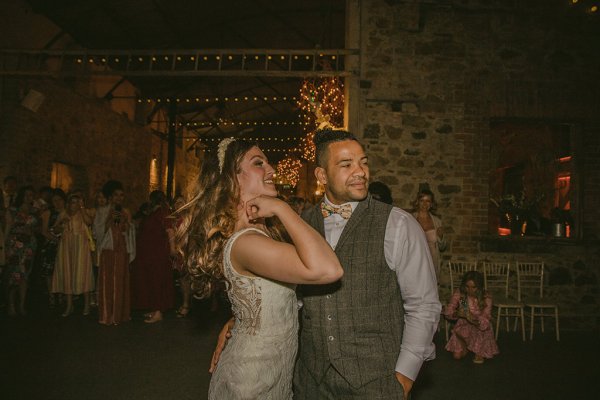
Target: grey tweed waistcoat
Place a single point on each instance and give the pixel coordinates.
(355, 324)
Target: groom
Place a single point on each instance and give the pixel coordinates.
(366, 336)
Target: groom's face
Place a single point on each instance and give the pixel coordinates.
(346, 173)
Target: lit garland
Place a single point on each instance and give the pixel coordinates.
(288, 171)
(322, 104)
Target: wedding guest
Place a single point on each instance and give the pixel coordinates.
(424, 208)
(73, 271)
(471, 307)
(52, 237)
(22, 223)
(44, 199)
(117, 250)
(380, 191)
(152, 269)
(9, 191)
(96, 214)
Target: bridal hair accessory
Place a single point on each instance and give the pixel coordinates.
(221, 152)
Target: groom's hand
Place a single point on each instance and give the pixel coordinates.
(224, 335)
(406, 383)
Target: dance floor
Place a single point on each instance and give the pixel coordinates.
(45, 356)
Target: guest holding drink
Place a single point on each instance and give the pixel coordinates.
(117, 249)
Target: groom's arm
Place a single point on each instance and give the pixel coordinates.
(406, 252)
(224, 335)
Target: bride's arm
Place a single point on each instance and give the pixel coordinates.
(309, 260)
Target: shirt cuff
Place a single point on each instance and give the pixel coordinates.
(408, 365)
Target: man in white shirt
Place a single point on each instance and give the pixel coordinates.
(373, 330)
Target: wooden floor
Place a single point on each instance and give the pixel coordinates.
(44, 356)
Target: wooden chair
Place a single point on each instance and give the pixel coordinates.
(530, 275)
(495, 275)
(457, 270)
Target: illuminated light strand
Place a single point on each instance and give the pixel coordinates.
(217, 99)
(252, 139)
(241, 123)
(266, 150)
(187, 58)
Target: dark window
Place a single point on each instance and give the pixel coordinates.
(532, 182)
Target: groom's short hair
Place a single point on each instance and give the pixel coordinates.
(322, 139)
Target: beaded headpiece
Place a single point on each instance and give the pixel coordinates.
(221, 151)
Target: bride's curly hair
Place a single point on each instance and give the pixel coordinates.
(209, 217)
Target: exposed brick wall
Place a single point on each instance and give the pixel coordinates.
(76, 130)
(433, 79)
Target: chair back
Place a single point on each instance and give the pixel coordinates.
(530, 275)
(495, 276)
(458, 269)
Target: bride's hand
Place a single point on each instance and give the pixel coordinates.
(263, 207)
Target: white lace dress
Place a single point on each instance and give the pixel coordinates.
(258, 361)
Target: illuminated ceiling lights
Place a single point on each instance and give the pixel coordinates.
(204, 99)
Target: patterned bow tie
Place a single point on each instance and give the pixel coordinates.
(345, 210)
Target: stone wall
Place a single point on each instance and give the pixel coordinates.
(435, 75)
(80, 132)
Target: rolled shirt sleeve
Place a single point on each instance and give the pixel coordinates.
(407, 253)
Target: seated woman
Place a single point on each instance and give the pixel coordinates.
(471, 307)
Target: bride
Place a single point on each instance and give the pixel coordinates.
(233, 230)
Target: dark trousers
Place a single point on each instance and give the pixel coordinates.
(334, 387)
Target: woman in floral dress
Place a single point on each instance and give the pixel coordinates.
(22, 224)
(471, 307)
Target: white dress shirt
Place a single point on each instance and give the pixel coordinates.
(406, 253)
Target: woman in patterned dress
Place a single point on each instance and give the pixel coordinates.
(21, 224)
(73, 271)
(471, 307)
(229, 233)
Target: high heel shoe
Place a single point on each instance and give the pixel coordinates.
(67, 312)
(156, 317)
(183, 312)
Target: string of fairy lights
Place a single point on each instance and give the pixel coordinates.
(321, 104)
(237, 123)
(215, 99)
(101, 59)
